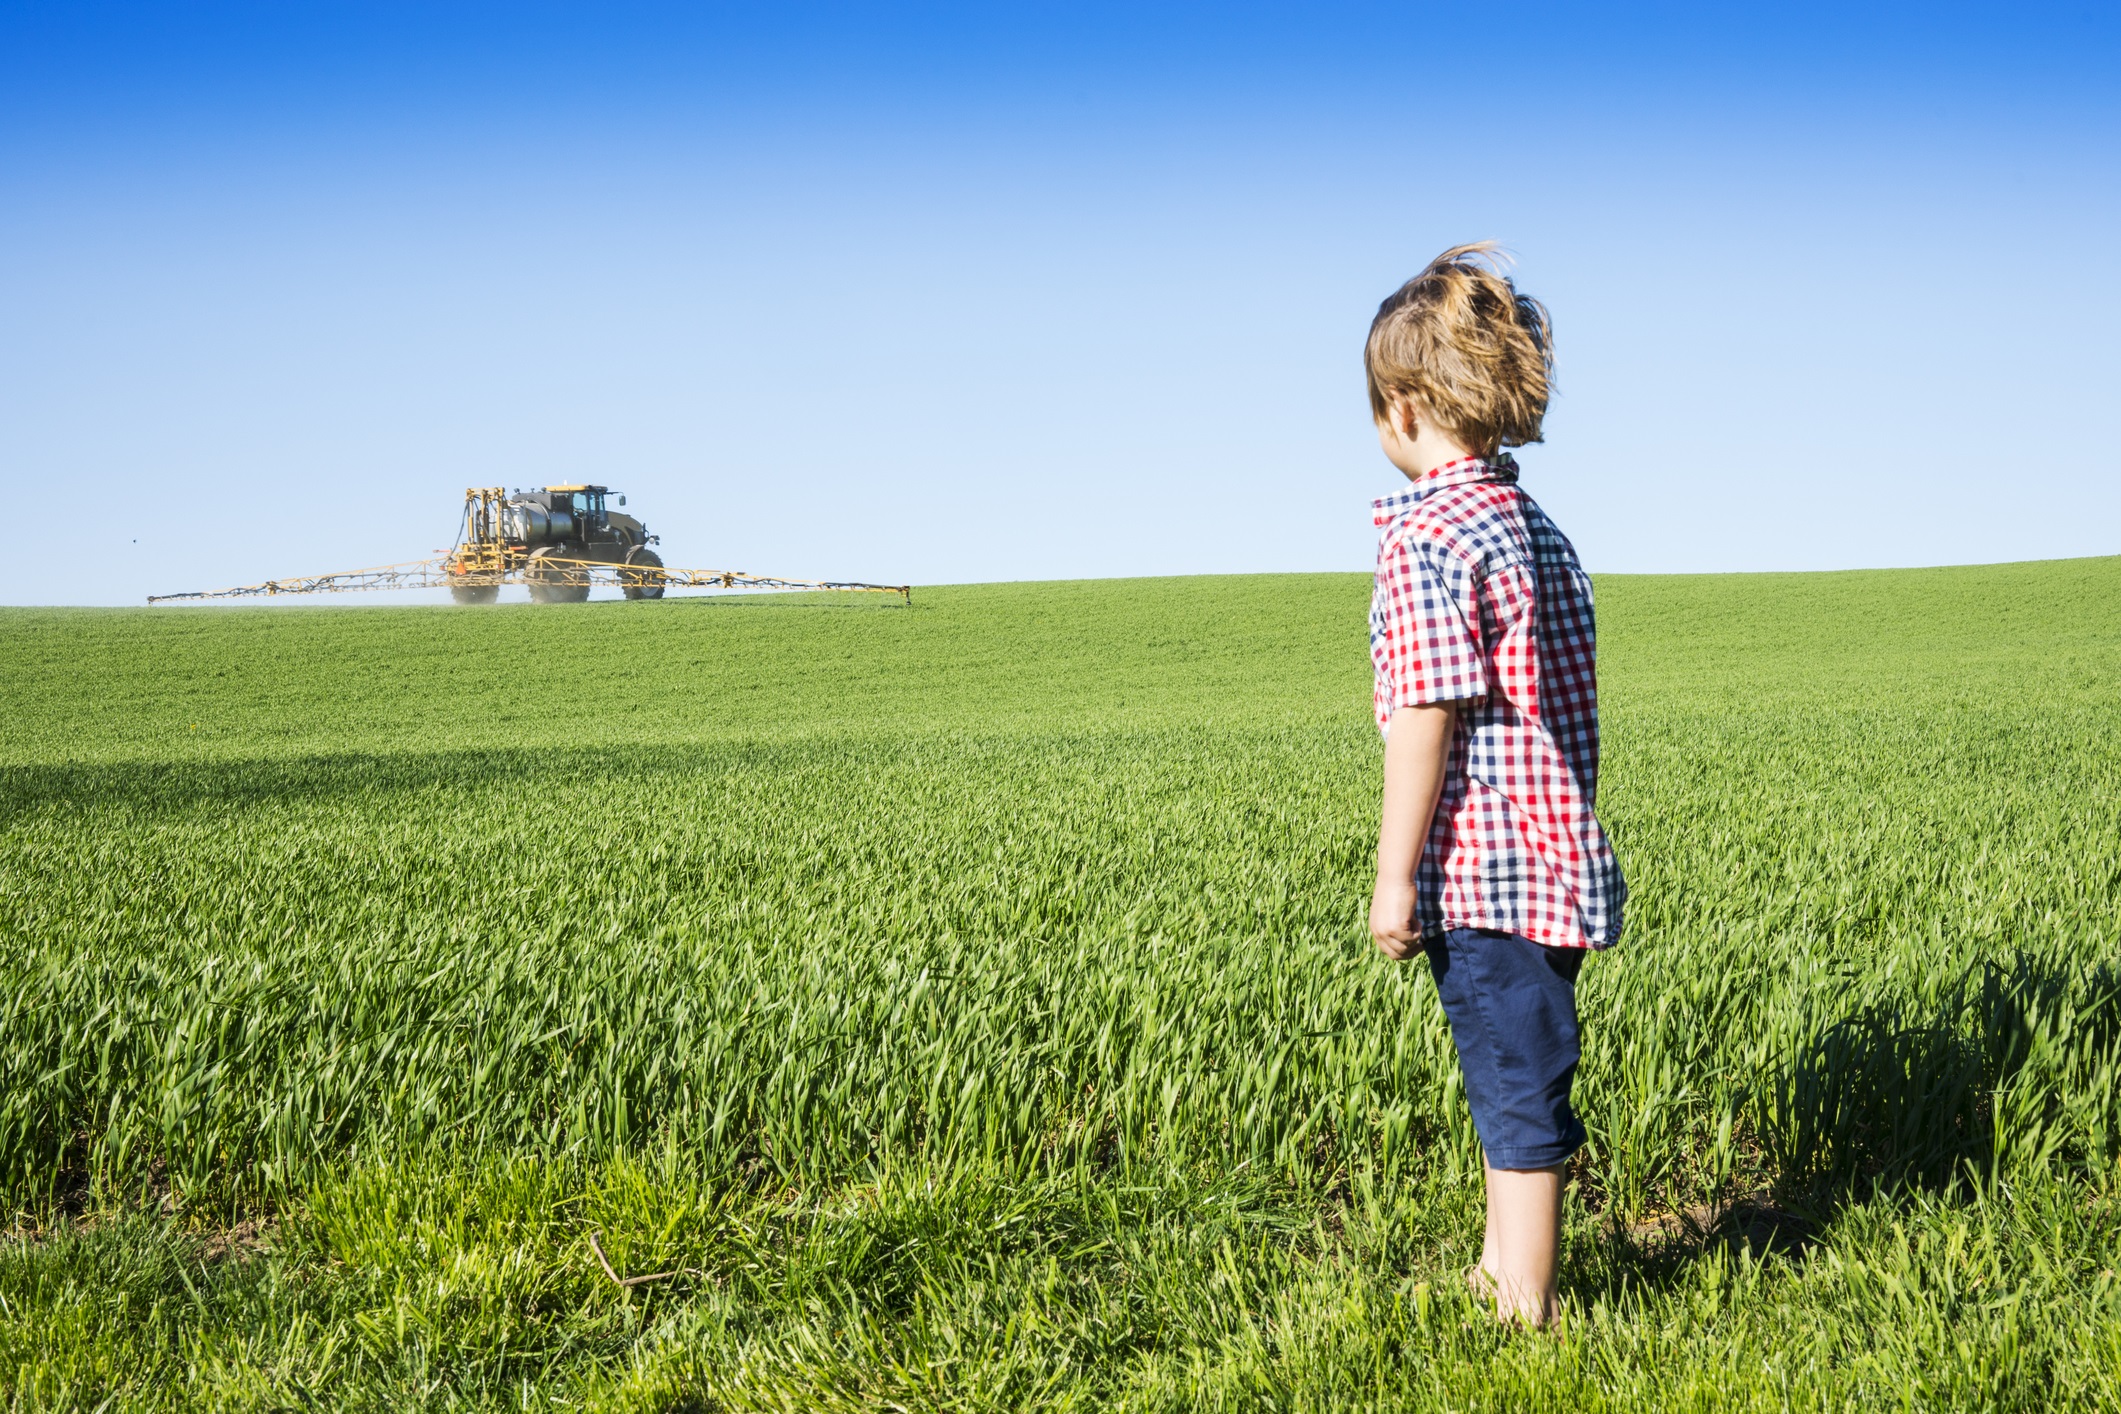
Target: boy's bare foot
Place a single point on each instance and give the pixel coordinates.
(1486, 1289)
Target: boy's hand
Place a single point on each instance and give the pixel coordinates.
(1392, 919)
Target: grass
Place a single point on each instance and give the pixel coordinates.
(970, 1004)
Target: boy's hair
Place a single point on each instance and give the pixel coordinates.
(1463, 343)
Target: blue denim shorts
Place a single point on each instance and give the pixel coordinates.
(1512, 1007)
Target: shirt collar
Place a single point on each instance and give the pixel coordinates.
(1500, 468)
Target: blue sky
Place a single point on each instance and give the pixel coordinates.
(948, 293)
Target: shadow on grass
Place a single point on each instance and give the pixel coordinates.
(2008, 1065)
(185, 787)
(754, 601)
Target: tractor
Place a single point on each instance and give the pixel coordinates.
(553, 537)
(556, 541)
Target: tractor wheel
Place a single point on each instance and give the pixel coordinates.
(556, 584)
(642, 576)
(475, 593)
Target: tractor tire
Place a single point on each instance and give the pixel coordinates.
(642, 577)
(475, 593)
(556, 584)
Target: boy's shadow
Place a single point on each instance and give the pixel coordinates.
(1658, 1251)
(1894, 1097)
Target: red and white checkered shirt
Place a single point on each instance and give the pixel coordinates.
(1480, 601)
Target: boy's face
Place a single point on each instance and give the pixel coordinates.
(1397, 432)
(1415, 442)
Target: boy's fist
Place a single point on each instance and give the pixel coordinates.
(1392, 919)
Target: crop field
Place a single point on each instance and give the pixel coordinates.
(968, 1007)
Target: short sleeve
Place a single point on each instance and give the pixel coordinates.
(1425, 637)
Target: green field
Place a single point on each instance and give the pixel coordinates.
(971, 1005)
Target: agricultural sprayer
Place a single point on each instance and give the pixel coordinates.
(557, 541)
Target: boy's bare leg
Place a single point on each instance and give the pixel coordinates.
(1523, 1243)
(1482, 1278)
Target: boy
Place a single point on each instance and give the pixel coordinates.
(1489, 859)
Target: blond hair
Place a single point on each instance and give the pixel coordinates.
(1463, 344)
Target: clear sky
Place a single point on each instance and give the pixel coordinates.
(945, 293)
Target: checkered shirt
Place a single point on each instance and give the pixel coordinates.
(1480, 601)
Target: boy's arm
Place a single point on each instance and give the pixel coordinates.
(1417, 749)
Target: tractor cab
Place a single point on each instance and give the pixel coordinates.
(582, 506)
(586, 503)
